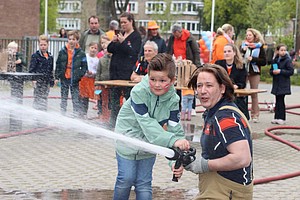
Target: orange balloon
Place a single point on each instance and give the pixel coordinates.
(205, 60)
(201, 42)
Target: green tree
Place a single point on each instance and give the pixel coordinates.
(117, 5)
(273, 15)
(233, 12)
(52, 15)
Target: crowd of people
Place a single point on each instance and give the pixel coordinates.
(150, 112)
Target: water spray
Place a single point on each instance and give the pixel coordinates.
(54, 119)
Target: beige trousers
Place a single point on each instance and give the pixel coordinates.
(214, 186)
(254, 81)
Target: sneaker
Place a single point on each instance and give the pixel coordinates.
(255, 120)
(274, 121)
(194, 112)
(280, 121)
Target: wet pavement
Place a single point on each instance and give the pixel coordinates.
(59, 164)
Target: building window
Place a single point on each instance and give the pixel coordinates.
(68, 23)
(69, 6)
(186, 7)
(155, 7)
(143, 23)
(192, 26)
(132, 7)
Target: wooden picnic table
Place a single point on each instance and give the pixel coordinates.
(125, 83)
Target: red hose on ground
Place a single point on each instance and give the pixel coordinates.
(275, 178)
(268, 133)
(283, 176)
(11, 134)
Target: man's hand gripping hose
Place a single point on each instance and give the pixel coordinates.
(182, 158)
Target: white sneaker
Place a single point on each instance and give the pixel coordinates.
(274, 121)
(281, 121)
(255, 120)
(194, 112)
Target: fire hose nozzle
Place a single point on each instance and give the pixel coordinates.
(182, 158)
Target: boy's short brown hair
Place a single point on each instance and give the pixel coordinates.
(163, 62)
(43, 37)
(75, 34)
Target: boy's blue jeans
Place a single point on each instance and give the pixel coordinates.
(137, 173)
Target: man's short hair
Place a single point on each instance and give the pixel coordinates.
(176, 27)
(93, 16)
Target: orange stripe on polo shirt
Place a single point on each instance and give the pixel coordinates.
(227, 123)
(244, 122)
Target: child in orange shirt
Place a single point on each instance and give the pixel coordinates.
(87, 83)
(187, 98)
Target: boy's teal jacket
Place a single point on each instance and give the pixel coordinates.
(143, 116)
(79, 65)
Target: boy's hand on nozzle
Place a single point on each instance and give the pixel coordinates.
(182, 144)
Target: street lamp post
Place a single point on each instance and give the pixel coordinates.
(200, 11)
(46, 18)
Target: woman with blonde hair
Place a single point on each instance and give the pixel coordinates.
(254, 57)
(223, 36)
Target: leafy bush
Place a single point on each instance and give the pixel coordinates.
(267, 78)
(288, 40)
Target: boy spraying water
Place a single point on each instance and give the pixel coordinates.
(151, 114)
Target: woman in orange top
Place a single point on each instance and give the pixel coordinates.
(223, 36)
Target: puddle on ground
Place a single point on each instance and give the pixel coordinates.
(158, 194)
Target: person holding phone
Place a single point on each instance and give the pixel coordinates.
(281, 70)
(124, 48)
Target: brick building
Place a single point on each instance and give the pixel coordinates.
(19, 18)
(73, 14)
